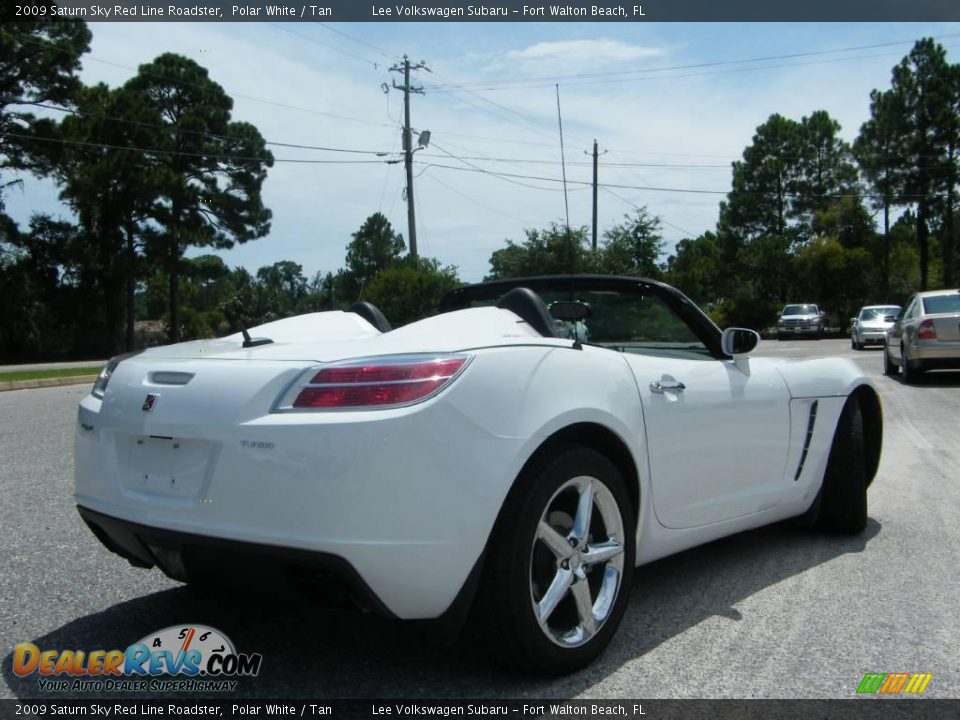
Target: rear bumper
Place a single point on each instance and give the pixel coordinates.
(398, 497)
(935, 354)
(202, 559)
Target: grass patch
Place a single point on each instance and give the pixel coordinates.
(42, 374)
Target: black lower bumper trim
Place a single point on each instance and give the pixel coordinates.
(204, 560)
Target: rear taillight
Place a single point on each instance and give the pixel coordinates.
(373, 383)
(100, 385)
(927, 331)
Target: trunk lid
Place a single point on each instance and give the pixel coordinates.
(335, 335)
(195, 388)
(947, 326)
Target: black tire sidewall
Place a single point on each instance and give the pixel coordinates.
(511, 551)
(843, 507)
(906, 372)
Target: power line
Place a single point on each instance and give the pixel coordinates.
(506, 176)
(503, 176)
(487, 138)
(639, 207)
(182, 83)
(160, 151)
(326, 45)
(476, 202)
(540, 127)
(186, 131)
(251, 98)
(473, 168)
(690, 191)
(360, 41)
(386, 176)
(563, 166)
(595, 76)
(384, 153)
(465, 155)
(535, 161)
(692, 74)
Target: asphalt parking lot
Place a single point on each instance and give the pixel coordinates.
(772, 613)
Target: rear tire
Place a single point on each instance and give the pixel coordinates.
(553, 590)
(843, 496)
(908, 374)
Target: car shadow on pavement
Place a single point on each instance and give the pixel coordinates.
(317, 653)
(937, 379)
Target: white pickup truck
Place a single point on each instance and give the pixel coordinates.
(800, 319)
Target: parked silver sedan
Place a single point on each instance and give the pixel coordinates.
(871, 324)
(925, 337)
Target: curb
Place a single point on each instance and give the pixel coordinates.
(46, 382)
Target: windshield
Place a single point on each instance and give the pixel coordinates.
(801, 310)
(878, 313)
(618, 314)
(629, 322)
(941, 304)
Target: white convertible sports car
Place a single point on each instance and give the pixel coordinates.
(507, 462)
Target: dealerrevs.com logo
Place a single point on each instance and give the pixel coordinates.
(192, 658)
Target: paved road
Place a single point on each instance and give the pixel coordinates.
(770, 613)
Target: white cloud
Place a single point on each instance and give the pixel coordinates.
(597, 51)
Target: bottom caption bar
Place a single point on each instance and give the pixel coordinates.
(865, 708)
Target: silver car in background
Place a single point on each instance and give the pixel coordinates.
(871, 324)
(925, 337)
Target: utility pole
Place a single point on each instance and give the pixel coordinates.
(595, 156)
(405, 67)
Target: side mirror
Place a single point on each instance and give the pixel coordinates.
(779, 313)
(738, 341)
(852, 320)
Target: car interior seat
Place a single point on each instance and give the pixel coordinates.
(531, 308)
(372, 314)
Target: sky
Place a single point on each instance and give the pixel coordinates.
(670, 105)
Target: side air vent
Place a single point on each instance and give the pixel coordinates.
(811, 421)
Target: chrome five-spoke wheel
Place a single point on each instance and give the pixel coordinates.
(559, 564)
(576, 563)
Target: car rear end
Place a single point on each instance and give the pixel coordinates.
(213, 467)
(936, 340)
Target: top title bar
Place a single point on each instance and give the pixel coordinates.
(498, 11)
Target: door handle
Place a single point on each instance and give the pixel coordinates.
(660, 386)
